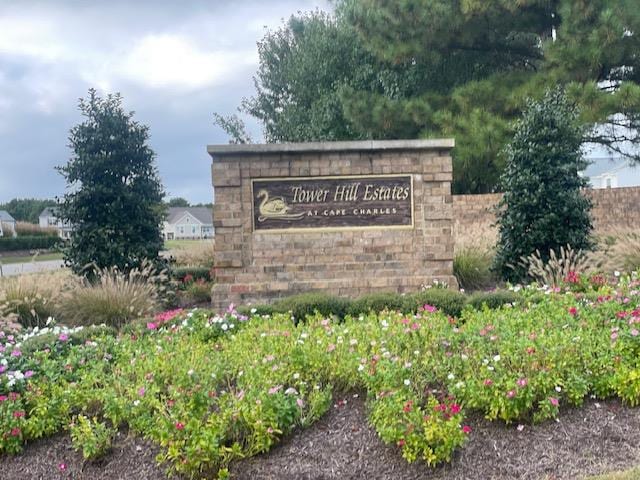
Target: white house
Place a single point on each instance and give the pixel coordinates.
(188, 223)
(612, 172)
(49, 219)
(7, 224)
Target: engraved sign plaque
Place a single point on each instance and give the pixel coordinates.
(332, 203)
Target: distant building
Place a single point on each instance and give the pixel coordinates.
(7, 224)
(612, 172)
(49, 219)
(188, 223)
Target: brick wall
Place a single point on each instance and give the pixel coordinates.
(613, 209)
(254, 266)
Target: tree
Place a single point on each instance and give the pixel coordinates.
(461, 68)
(178, 202)
(543, 207)
(114, 199)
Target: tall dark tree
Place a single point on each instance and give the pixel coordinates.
(114, 199)
(462, 68)
(178, 202)
(543, 206)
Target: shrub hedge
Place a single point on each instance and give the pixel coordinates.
(450, 302)
(8, 244)
(197, 273)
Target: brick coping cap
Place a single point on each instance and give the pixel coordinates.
(362, 145)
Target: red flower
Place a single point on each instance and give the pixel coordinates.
(455, 408)
(488, 382)
(18, 414)
(407, 407)
(401, 442)
(15, 432)
(466, 429)
(180, 425)
(573, 311)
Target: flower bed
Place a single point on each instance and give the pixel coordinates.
(213, 388)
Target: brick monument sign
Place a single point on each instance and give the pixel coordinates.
(347, 218)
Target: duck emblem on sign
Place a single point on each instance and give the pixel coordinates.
(275, 208)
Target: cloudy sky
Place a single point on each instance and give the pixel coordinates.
(175, 63)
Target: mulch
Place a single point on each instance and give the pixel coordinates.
(596, 438)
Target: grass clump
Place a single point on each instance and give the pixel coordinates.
(472, 268)
(114, 298)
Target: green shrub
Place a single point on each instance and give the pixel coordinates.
(377, 302)
(472, 268)
(91, 437)
(543, 207)
(114, 298)
(448, 301)
(493, 300)
(8, 244)
(259, 310)
(198, 291)
(308, 303)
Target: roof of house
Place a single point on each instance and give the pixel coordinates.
(49, 212)
(5, 217)
(203, 214)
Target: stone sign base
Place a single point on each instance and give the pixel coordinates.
(255, 263)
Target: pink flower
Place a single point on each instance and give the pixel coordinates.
(634, 332)
(151, 326)
(2, 368)
(531, 350)
(141, 391)
(466, 429)
(614, 335)
(401, 443)
(18, 414)
(16, 353)
(331, 348)
(429, 308)
(63, 337)
(28, 374)
(415, 326)
(3, 398)
(573, 311)
(15, 432)
(522, 382)
(488, 382)
(300, 402)
(274, 390)
(180, 425)
(455, 408)
(511, 393)
(62, 466)
(554, 401)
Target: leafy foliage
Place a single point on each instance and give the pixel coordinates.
(543, 207)
(115, 194)
(425, 68)
(210, 388)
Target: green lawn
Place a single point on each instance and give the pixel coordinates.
(632, 474)
(7, 259)
(184, 244)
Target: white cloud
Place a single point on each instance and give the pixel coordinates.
(169, 60)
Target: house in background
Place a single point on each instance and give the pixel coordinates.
(49, 219)
(612, 172)
(188, 223)
(7, 224)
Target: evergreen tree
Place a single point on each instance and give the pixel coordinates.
(114, 199)
(543, 206)
(461, 68)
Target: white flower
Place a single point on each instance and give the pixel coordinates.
(416, 352)
(407, 364)
(240, 373)
(190, 372)
(451, 376)
(485, 361)
(290, 391)
(296, 376)
(558, 389)
(303, 335)
(224, 326)
(353, 341)
(253, 310)
(616, 273)
(459, 385)
(231, 325)
(136, 403)
(496, 358)
(464, 357)
(489, 367)
(407, 382)
(360, 367)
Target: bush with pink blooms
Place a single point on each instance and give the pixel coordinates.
(213, 388)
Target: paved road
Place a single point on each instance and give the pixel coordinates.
(18, 268)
